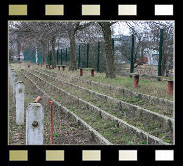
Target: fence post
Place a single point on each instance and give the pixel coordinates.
(131, 57)
(160, 52)
(98, 55)
(50, 58)
(61, 56)
(34, 124)
(57, 56)
(66, 56)
(87, 54)
(79, 57)
(19, 103)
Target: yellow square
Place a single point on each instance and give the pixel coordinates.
(127, 10)
(55, 155)
(17, 10)
(54, 10)
(18, 155)
(127, 155)
(90, 9)
(91, 155)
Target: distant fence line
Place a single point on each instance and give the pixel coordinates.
(91, 55)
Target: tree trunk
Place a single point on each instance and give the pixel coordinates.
(110, 68)
(53, 53)
(43, 53)
(73, 63)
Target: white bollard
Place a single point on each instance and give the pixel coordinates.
(12, 79)
(20, 103)
(34, 124)
(14, 86)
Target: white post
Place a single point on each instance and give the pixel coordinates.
(14, 86)
(12, 79)
(20, 103)
(34, 124)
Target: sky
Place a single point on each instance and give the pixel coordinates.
(121, 28)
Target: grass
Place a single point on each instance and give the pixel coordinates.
(138, 122)
(146, 86)
(61, 125)
(56, 134)
(167, 111)
(154, 88)
(111, 132)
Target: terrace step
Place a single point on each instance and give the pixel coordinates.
(122, 124)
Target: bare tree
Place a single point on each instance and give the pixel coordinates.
(72, 29)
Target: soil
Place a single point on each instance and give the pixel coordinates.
(152, 128)
(166, 111)
(66, 131)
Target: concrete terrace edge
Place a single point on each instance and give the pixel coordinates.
(105, 115)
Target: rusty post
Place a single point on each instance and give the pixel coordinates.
(37, 99)
(58, 68)
(81, 72)
(63, 67)
(92, 73)
(170, 86)
(136, 81)
(51, 130)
